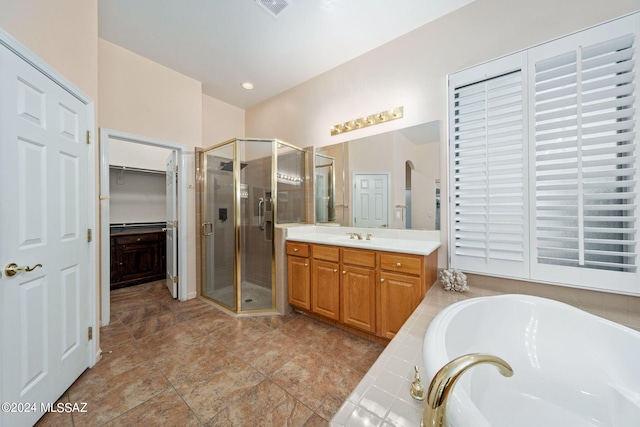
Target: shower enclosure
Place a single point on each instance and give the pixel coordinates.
(246, 187)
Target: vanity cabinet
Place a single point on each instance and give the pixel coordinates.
(359, 289)
(325, 281)
(299, 275)
(400, 291)
(137, 257)
(364, 290)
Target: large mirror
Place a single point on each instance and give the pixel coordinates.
(390, 180)
(325, 184)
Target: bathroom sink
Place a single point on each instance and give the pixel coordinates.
(347, 239)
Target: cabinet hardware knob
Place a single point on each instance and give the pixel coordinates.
(306, 265)
(295, 249)
(398, 264)
(138, 240)
(381, 280)
(344, 272)
(335, 271)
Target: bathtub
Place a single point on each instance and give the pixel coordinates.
(571, 368)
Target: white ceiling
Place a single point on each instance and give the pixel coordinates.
(223, 43)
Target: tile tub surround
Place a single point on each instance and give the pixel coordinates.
(382, 397)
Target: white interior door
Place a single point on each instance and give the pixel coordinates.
(371, 200)
(44, 313)
(172, 226)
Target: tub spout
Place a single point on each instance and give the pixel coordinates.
(445, 379)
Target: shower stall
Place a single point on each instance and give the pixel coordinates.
(246, 187)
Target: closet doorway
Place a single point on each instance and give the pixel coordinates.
(167, 234)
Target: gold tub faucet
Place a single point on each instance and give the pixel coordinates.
(445, 379)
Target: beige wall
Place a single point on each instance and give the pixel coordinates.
(220, 121)
(63, 33)
(141, 97)
(411, 71)
(145, 98)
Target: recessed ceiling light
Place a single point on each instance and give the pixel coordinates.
(247, 85)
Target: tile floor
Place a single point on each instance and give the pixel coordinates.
(189, 364)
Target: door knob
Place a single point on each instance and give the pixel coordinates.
(11, 269)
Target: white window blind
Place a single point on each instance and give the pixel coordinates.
(585, 164)
(543, 180)
(487, 176)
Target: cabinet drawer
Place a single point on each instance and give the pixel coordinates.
(359, 257)
(136, 238)
(409, 264)
(298, 249)
(328, 253)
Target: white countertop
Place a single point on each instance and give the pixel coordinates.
(419, 242)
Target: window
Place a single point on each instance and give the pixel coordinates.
(543, 169)
(488, 158)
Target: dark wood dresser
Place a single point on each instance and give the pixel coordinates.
(137, 256)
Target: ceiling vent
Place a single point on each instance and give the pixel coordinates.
(275, 8)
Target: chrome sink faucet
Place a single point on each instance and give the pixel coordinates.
(445, 379)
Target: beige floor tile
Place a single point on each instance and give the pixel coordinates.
(153, 324)
(264, 405)
(118, 360)
(212, 391)
(269, 352)
(57, 419)
(310, 378)
(212, 321)
(306, 330)
(113, 335)
(165, 409)
(137, 313)
(188, 363)
(316, 421)
(167, 340)
(110, 399)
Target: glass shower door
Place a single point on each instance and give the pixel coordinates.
(239, 210)
(256, 228)
(218, 232)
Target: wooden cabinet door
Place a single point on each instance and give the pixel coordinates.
(139, 261)
(399, 296)
(326, 289)
(359, 298)
(299, 279)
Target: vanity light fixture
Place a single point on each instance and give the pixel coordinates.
(373, 119)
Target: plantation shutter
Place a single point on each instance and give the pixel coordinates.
(488, 178)
(543, 176)
(585, 164)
